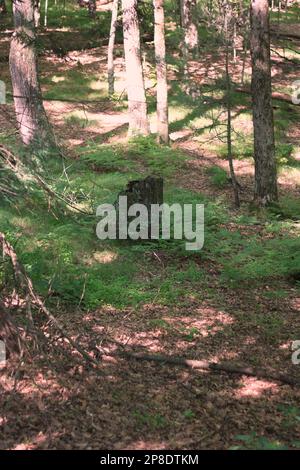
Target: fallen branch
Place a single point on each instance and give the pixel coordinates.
(284, 34)
(206, 365)
(275, 95)
(285, 58)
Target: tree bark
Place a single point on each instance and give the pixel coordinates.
(32, 121)
(110, 52)
(265, 190)
(161, 72)
(189, 25)
(137, 106)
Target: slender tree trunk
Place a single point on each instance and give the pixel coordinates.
(189, 25)
(92, 7)
(46, 14)
(137, 106)
(37, 13)
(30, 114)
(3, 9)
(264, 147)
(161, 72)
(229, 131)
(111, 43)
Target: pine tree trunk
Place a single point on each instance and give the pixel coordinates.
(264, 147)
(110, 52)
(30, 114)
(161, 72)
(137, 106)
(189, 25)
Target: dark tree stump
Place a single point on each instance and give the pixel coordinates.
(147, 192)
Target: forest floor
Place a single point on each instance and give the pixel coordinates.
(236, 301)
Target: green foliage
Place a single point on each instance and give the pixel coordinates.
(284, 152)
(141, 154)
(78, 121)
(257, 261)
(287, 208)
(254, 441)
(189, 414)
(218, 176)
(153, 421)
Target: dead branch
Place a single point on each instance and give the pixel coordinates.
(25, 283)
(206, 365)
(275, 95)
(285, 58)
(283, 34)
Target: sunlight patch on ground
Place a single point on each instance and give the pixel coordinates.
(254, 388)
(285, 346)
(57, 79)
(295, 303)
(150, 340)
(39, 439)
(102, 257)
(289, 177)
(144, 445)
(98, 85)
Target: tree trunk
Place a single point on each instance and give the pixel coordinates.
(189, 25)
(111, 43)
(161, 72)
(137, 106)
(30, 114)
(265, 190)
(37, 13)
(46, 14)
(92, 8)
(3, 9)
(228, 30)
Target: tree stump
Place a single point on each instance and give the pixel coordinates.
(147, 191)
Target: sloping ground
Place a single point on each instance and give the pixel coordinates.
(57, 401)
